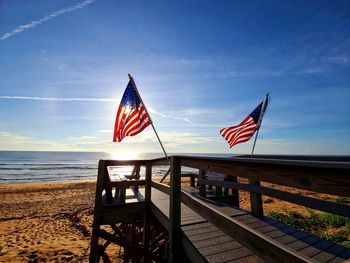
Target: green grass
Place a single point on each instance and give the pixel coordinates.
(334, 220)
(317, 224)
(341, 199)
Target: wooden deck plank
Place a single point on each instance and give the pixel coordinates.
(330, 254)
(219, 248)
(215, 246)
(341, 257)
(212, 241)
(316, 248)
(300, 244)
(248, 259)
(204, 236)
(230, 255)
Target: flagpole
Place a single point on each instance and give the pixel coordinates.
(154, 129)
(263, 108)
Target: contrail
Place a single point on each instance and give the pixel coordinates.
(35, 23)
(152, 110)
(57, 99)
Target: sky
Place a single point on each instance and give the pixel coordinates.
(199, 66)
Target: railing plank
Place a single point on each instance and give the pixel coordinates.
(321, 177)
(263, 246)
(318, 204)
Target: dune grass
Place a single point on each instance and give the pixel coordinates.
(334, 228)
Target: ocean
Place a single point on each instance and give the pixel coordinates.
(25, 166)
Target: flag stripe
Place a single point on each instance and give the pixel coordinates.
(243, 131)
(132, 117)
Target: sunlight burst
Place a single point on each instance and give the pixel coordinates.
(124, 155)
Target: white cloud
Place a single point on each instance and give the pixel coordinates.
(35, 23)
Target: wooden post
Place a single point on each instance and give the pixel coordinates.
(102, 170)
(218, 190)
(147, 215)
(256, 200)
(193, 182)
(235, 193)
(136, 174)
(202, 187)
(136, 171)
(175, 210)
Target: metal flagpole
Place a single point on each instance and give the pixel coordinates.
(263, 108)
(138, 94)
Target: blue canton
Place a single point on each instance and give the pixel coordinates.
(130, 97)
(256, 113)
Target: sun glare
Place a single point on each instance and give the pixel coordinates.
(124, 155)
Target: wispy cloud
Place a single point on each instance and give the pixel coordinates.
(153, 111)
(35, 23)
(57, 99)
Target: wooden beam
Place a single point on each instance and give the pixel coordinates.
(310, 202)
(97, 212)
(257, 242)
(147, 214)
(319, 176)
(202, 185)
(121, 213)
(161, 187)
(124, 184)
(235, 192)
(256, 204)
(175, 210)
(191, 251)
(158, 214)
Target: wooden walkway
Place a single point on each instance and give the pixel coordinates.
(214, 246)
(199, 229)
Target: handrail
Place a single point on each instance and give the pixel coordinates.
(323, 175)
(260, 244)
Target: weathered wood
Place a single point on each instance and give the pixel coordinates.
(191, 251)
(97, 212)
(161, 187)
(175, 210)
(165, 175)
(235, 193)
(202, 185)
(193, 182)
(333, 158)
(136, 171)
(256, 204)
(121, 213)
(253, 240)
(123, 184)
(310, 202)
(147, 214)
(319, 176)
(161, 217)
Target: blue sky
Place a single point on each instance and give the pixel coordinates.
(199, 66)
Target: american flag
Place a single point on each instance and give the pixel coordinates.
(245, 130)
(132, 117)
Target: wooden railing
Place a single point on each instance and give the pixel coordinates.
(320, 174)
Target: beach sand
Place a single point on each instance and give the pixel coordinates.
(51, 222)
(46, 221)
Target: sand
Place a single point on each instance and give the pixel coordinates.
(51, 222)
(46, 222)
